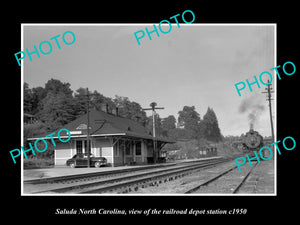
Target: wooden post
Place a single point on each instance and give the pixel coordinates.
(269, 98)
(88, 128)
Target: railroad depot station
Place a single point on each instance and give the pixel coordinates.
(120, 140)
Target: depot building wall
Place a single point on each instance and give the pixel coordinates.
(120, 153)
(62, 152)
(99, 147)
(128, 152)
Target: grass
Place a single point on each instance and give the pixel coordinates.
(34, 163)
(227, 151)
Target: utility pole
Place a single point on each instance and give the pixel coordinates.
(153, 107)
(88, 127)
(269, 98)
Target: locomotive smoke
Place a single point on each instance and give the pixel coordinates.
(253, 108)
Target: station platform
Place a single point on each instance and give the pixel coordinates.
(57, 171)
(265, 177)
(261, 180)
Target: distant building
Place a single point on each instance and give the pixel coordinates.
(120, 140)
(29, 119)
(187, 149)
(208, 150)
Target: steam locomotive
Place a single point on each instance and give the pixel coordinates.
(251, 142)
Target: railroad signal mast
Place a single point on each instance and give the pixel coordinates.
(153, 108)
(268, 91)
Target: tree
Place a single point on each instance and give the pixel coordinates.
(57, 110)
(27, 99)
(80, 99)
(56, 86)
(38, 94)
(167, 124)
(131, 110)
(57, 107)
(32, 98)
(36, 129)
(210, 126)
(189, 119)
(181, 134)
(99, 101)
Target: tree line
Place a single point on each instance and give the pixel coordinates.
(56, 104)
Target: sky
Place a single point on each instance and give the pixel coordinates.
(194, 65)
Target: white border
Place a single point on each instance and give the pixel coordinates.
(150, 24)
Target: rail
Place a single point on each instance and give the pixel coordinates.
(113, 183)
(221, 174)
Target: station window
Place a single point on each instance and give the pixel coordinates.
(138, 148)
(78, 147)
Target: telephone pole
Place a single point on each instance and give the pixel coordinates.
(268, 91)
(153, 107)
(88, 150)
(88, 127)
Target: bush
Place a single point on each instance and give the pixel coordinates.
(34, 163)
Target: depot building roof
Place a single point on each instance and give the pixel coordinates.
(104, 124)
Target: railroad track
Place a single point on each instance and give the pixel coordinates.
(131, 182)
(235, 190)
(101, 174)
(90, 176)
